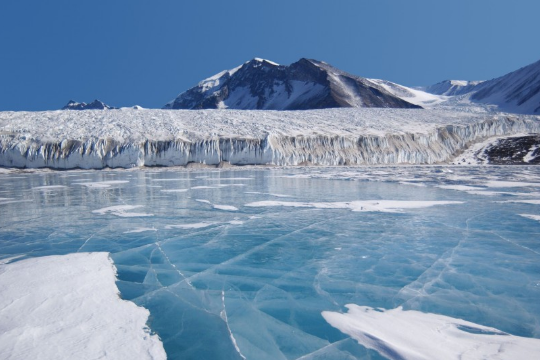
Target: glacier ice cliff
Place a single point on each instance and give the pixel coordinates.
(130, 138)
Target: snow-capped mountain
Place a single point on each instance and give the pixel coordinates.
(516, 92)
(305, 84)
(452, 87)
(94, 105)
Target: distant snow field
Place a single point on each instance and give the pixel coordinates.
(68, 307)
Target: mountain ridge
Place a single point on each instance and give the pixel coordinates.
(516, 92)
(306, 84)
(94, 105)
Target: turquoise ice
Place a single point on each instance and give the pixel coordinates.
(240, 263)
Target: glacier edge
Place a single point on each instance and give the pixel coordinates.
(437, 145)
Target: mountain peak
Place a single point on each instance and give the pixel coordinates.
(260, 60)
(305, 84)
(94, 105)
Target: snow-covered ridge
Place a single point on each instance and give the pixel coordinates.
(128, 138)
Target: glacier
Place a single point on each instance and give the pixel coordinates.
(291, 263)
(96, 139)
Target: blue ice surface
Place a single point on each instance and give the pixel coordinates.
(252, 282)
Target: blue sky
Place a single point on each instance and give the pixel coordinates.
(146, 52)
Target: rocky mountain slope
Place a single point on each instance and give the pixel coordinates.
(306, 84)
(94, 105)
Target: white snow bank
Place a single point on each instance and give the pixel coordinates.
(399, 334)
(367, 205)
(67, 307)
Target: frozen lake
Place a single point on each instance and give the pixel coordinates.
(241, 263)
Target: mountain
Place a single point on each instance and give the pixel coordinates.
(516, 92)
(305, 84)
(94, 105)
(452, 87)
(414, 96)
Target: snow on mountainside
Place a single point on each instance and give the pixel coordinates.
(451, 87)
(94, 105)
(516, 92)
(305, 84)
(414, 96)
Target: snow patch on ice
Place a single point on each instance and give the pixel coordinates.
(139, 230)
(225, 207)
(49, 187)
(218, 207)
(67, 307)
(102, 184)
(460, 187)
(509, 184)
(530, 216)
(400, 334)
(191, 226)
(270, 194)
(534, 202)
(390, 206)
(121, 211)
(203, 201)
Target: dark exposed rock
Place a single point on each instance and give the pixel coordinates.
(515, 151)
(94, 105)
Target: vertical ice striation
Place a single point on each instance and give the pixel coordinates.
(322, 146)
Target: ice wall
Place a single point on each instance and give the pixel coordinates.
(436, 145)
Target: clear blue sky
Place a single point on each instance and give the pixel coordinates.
(145, 52)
